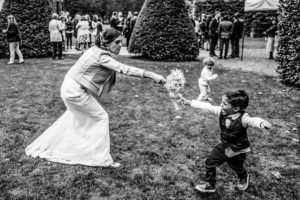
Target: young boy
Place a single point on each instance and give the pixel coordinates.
(205, 78)
(233, 121)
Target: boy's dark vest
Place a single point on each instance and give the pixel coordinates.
(235, 136)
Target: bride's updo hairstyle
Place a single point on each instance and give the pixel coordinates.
(108, 36)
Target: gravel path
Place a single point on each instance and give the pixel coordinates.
(254, 60)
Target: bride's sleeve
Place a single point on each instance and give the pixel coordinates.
(110, 63)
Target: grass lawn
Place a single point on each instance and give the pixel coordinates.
(163, 158)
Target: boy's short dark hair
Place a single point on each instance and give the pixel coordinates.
(238, 98)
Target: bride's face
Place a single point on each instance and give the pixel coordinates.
(116, 45)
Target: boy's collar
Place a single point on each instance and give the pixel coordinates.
(234, 116)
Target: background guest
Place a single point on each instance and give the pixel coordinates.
(99, 26)
(207, 23)
(114, 21)
(237, 33)
(83, 32)
(128, 29)
(271, 33)
(77, 19)
(55, 28)
(224, 32)
(133, 20)
(13, 38)
(213, 33)
(69, 32)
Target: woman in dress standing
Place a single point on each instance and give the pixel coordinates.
(13, 38)
(81, 134)
(83, 32)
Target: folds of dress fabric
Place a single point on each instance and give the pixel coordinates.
(80, 135)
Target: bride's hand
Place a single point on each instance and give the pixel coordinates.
(159, 79)
(156, 77)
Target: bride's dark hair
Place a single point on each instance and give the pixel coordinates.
(108, 36)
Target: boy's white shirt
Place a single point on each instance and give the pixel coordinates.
(247, 121)
(206, 76)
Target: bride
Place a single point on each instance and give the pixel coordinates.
(81, 134)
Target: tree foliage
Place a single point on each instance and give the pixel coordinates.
(102, 7)
(32, 17)
(164, 31)
(289, 43)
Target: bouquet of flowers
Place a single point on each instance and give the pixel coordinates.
(174, 83)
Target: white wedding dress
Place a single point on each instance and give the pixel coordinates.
(80, 135)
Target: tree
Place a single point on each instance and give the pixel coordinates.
(32, 17)
(164, 31)
(289, 43)
(103, 8)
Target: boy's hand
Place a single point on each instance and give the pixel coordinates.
(266, 125)
(214, 76)
(185, 101)
(4, 31)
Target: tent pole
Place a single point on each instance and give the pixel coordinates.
(242, 52)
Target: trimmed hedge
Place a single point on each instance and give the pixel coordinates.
(33, 17)
(164, 31)
(288, 55)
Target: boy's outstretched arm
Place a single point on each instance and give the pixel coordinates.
(204, 106)
(255, 122)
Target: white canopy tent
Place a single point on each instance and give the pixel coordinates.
(259, 5)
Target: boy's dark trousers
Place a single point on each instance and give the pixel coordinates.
(222, 43)
(217, 157)
(69, 40)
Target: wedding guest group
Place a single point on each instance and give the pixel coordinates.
(82, 30)
(219, 32)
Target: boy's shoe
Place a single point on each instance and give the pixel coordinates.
(21, 61)
(243, 183)
(10, 62)
(115, 165)
(206, 187)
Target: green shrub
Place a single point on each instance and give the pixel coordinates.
(289, 43)
(164, 31)
(33, 17)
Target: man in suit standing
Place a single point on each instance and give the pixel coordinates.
(213, 33)
(224, 32)
(133, 20)
(114, 21)
(237, 33)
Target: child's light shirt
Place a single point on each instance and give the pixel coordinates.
(206, 76)
(247, 121)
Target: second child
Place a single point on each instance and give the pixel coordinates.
(205, 78)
